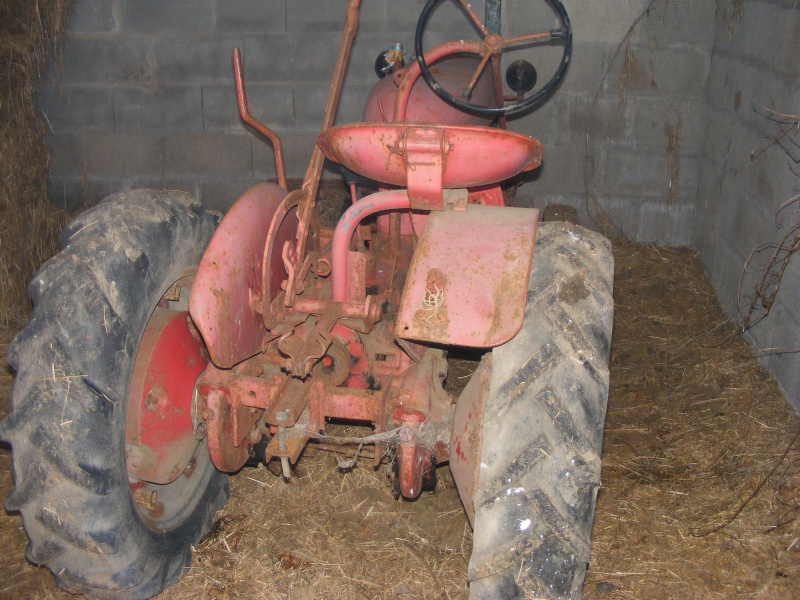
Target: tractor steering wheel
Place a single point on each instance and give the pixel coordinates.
(493, 45)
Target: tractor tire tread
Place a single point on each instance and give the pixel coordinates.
(543, 424)
(73, 362)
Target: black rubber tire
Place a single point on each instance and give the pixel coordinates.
(543, 426)
(67, 427)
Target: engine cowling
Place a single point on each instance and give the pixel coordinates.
(424, 106)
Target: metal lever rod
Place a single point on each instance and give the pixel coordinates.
(244, 112)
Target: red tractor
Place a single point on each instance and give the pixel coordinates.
(167, 347)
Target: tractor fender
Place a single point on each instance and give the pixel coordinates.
(229, 278)
(468, 278)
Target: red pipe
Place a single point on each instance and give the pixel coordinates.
(378, 202)
(244, 112)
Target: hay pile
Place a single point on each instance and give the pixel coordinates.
(30, 35)
(701, 479)
(31, 32)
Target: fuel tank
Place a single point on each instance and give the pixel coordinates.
(424, 106)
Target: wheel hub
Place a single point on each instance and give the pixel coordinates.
(159, 432)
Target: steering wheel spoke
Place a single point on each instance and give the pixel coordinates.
(492, 45)
(467, 93)
(474, 18)
(544, 36)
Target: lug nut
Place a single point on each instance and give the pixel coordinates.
(153, 398)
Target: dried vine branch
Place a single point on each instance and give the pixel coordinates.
(593, 208)
(780, 253)
(696, 532)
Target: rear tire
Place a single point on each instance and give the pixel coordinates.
(67, 427)
(543, 426)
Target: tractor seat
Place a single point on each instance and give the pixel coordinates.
(428, 158)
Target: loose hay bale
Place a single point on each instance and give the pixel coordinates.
(30, 37)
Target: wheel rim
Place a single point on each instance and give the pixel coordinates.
(166, 461)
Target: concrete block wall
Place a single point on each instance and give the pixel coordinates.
(606, 128)
(146, 98)
(755, 67)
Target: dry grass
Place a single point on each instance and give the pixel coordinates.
(694, 428)
(30, 36)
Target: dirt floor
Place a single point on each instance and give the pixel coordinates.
(700, 495)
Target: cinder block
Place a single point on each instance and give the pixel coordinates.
(719, 96)
(221, 194)
(727, 272)
(312, 16)
(561, 171)
(683, 218)
(586, 67)
(208, 155)
(104, 155)
(614, 214)
(688, 177)
(774, 26)
(683, 22)
(251, 15)
(652, 116)
(701, 228)
(543, 123)
(654, 223)
(351, 105)
(270, 103)
(309, 103)
(680, 72)
(633, 171)
(158, 16)
(786, 299)
(65, 160)
(297, 149)
(607, 22)
(112, 154)
(76, 107)
(92, 16)
(73, 194)
(744, 224)
(164, 108)
(309, 61)
(402, 17)
(196, 58)
(603, 121)
(105, 60)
